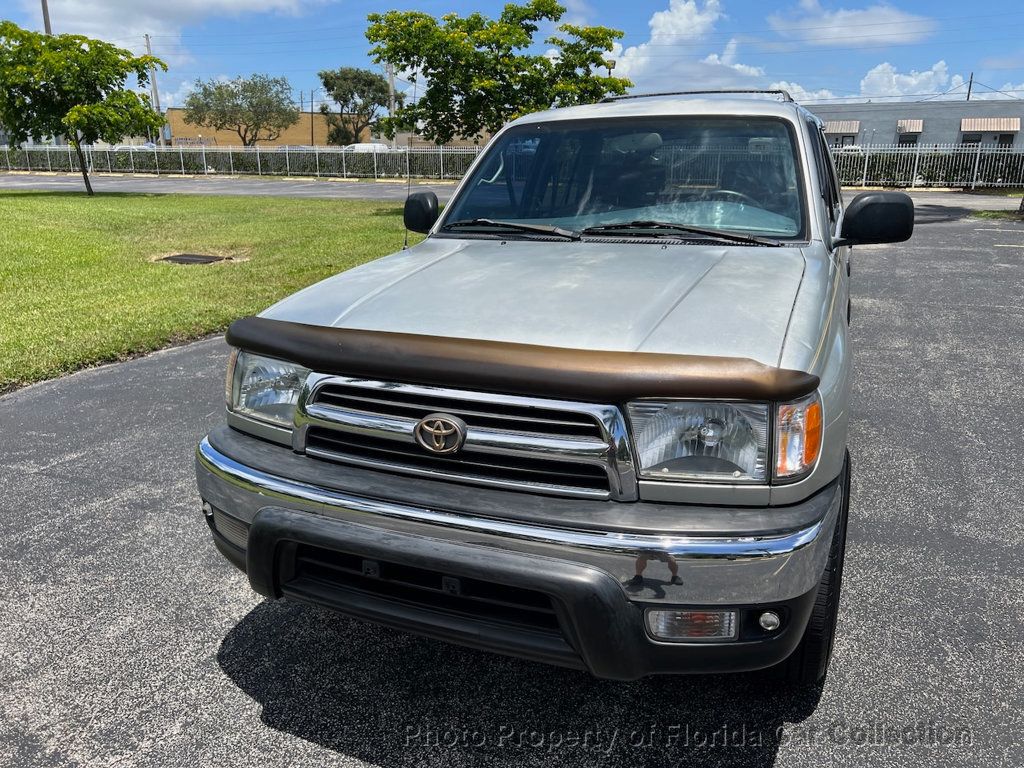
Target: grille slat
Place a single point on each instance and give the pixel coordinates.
(395, 403)
(480, 418)
(467, 462)
(348, 421)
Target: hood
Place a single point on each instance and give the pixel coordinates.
(721, 300)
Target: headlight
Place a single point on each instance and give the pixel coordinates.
(701, 441)
(797, 437)
(263, 388)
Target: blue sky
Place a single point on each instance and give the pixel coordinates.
(817, 48)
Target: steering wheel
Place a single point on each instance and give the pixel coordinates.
(732, 194)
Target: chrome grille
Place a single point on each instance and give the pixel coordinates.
(491, 415)
(549, 446)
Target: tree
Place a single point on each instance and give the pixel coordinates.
(71, 85)
(359, 94)
(257, 108)
(476, 74)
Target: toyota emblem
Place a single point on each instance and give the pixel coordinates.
(441, 433)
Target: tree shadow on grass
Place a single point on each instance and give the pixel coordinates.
(392, 698)
(15, 194)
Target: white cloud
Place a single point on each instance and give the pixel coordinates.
(728, 59)
(666, 61)
(800, 93)
(1005, 91)
(124, 22)
(886, 80)
(576, 12)
(177, 97)
(683, 22)
(881, 23)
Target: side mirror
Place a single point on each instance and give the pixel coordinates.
(878, 217)
(420, 211)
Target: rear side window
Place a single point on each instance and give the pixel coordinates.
(827, 179)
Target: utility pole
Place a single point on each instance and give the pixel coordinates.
(49, 31)
(153, 88)
(970, 86)
(312, 142)
(46, 19)
(391, 97)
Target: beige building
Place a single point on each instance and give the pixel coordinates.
(310, 130)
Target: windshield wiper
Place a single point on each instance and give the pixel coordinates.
(642, 227)
(536, 229)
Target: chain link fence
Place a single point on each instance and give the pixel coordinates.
(867, 165)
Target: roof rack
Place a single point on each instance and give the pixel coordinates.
(776, 92)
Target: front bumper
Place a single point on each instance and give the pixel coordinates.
(298, 539)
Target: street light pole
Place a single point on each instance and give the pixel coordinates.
(46, 19)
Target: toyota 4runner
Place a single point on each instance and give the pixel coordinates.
(596, 418)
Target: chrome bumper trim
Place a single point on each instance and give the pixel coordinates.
(651, 569)
(277, 489)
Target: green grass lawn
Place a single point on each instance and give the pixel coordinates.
(999, 215)
(79, 285)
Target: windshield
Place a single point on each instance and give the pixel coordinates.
(723, 174)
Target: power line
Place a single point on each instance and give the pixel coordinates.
(646, 30)
(703, 42)
(996, 90)
(902, 96)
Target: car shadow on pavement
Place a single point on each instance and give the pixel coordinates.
(927, 213)
(391, 698)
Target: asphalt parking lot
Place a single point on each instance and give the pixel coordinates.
(127, 640)
(934, 205)
(245, 186)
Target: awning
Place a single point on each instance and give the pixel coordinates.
(990, 124)
(842, 126)
(909, 126)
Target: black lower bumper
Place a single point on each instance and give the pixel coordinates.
(535, 607)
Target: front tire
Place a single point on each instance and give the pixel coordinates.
(807, 666)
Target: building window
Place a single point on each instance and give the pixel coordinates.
(907, 139)
(1005, 140)
(843, 141)
(970, 139)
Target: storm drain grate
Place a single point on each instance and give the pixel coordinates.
(194, 258)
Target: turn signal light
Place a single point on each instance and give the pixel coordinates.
(797, 437)
(692, 626)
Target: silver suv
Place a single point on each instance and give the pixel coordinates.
(597, 418)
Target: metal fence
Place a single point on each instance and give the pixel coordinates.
(425, 162)
(876, 165)
(937, 165)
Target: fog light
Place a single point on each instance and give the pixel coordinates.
(769, 621)
(692, 626)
